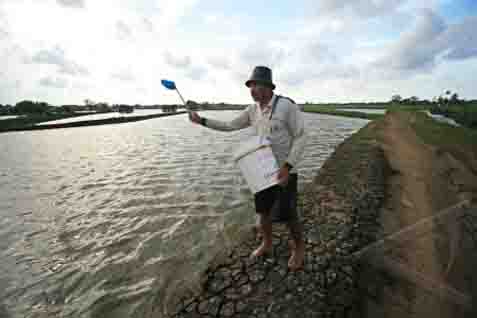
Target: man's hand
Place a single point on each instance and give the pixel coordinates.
(283, 175)
(194, 117)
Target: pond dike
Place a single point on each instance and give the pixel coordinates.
(390, 228)
(97, 122)
(340, 214)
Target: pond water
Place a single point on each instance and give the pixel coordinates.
(108, 221)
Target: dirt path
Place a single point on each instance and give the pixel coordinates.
(416, 190)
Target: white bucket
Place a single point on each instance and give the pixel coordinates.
(257, 163)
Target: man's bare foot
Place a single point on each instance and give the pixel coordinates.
(297, 257)
(261, 250)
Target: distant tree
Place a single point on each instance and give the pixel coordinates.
(396, 99)
(102, 107)
(88, 102)
(5, 109)
(192, 105)
(125, 109)
(444, 100)
(67, 108)
(30, 107)
(414, 99)
(441, 101)
(454, 99)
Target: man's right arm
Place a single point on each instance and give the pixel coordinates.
(240, 122)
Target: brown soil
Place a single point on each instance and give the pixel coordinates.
(424, 181)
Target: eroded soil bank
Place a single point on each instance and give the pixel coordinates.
(438, 256)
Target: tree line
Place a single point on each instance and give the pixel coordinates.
(448, 98)
(27, 107)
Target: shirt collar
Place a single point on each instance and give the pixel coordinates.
(268, 107)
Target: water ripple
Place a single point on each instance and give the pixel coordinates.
(111, 221)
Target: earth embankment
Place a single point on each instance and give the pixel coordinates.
(430, 197)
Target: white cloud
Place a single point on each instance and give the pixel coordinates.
(461, 39)
(124, 75)
(219, 62)
(362, 8)
(148, 25)
(72, 3)
(262, 53)
(339, 50)
(430, 42)
(124, 32)
(55, 82)
(177, 61)
(3, 34)
(56, 56)
(197, 73)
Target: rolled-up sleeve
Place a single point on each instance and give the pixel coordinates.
(296, 124)
(239, 122)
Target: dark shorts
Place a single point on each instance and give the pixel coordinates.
(279, 201)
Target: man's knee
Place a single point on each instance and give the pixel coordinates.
(264, 218)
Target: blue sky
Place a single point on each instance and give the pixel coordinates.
(117, 51)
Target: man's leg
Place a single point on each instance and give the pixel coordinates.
(288, 210)
(265, 222)
(258, 228)
(298, 250)
(264, 201)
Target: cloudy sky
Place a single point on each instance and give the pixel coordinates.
(117, 51)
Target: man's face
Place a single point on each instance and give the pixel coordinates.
(260, 93)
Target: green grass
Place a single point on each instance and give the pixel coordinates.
(408, 107)
(440, 134)
(461, 142)
(352, 105)
(328, 110)
(465, 115)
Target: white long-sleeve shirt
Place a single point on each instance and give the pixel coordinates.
(286, 129)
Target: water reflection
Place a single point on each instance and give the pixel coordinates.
(110, 221)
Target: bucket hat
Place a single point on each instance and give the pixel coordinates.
(262, 75)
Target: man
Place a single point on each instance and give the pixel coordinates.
(279, 119)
